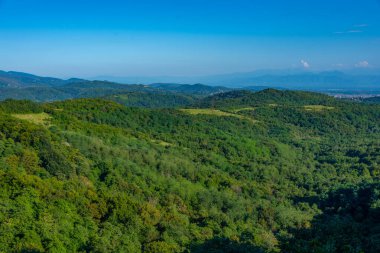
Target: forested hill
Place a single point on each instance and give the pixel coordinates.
(17, 85)
(266, 96)
(274, 171)
(13, 79)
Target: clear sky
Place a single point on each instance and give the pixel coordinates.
(186, 37)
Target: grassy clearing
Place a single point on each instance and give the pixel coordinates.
(317, 108)
(217, 113)
(208, 112)
(244, 109)
(162, 143)
(36, 118)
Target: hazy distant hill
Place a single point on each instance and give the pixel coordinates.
(321, 81)
(19, 79)
(352, 80)
(260, 88)
(18, 85)
(199, 89)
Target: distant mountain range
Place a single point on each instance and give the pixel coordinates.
(27, 86)
(14, 79)
(19, 85)
(328, 81)
(310, 81)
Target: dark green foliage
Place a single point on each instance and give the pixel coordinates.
(129, 95)
(20, 106)
(195, 89)
(225, 245)
(78, 89)
(372, 100)
(152, 100)
(241, 98)
(350, 223)
(298, 176)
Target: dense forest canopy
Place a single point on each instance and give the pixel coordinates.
(272, 171)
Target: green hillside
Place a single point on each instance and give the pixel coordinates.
(152, 99)
(239, 98)
(273, 171)
(129, 95)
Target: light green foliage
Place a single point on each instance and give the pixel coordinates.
(36, 118)
(317, 108)
(243, 109)
(214, 112)
(208, 112)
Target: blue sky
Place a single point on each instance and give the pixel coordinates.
(186, 37)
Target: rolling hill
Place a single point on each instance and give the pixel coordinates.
(242, 98)
(18, 85)
(13, 79)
